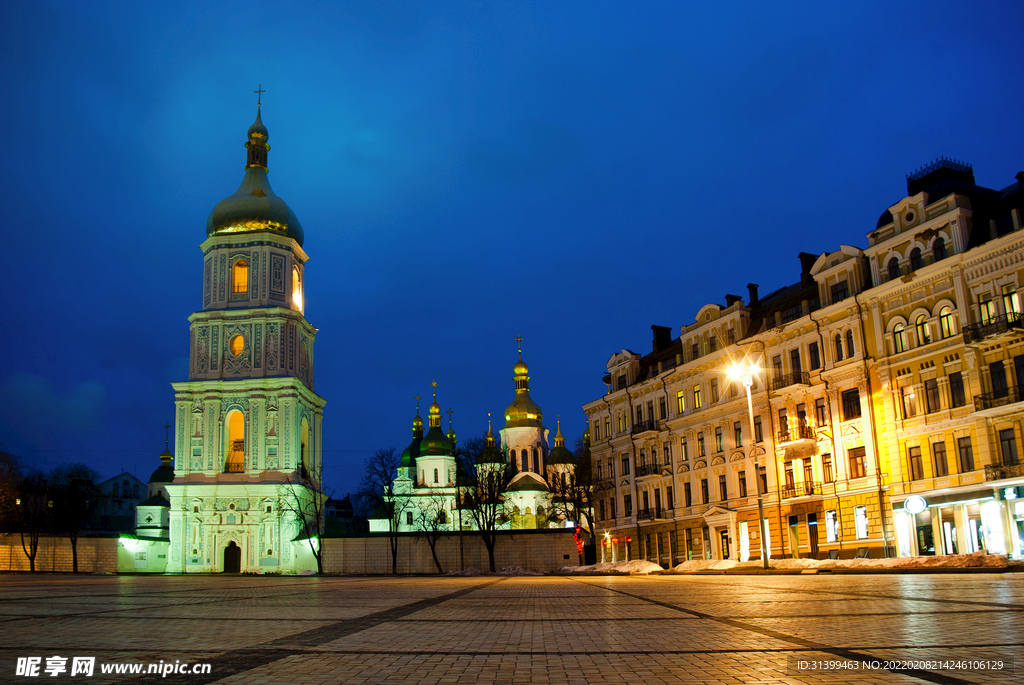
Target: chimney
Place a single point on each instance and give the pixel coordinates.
(806, 262)
(730, 300)
(752, 287)
(662, 337)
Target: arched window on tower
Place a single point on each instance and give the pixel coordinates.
(235, 462)
(839, 348)
(296, 288)
(894, 269)
(240, 277)
(525, 460)
(849, 343)
(939, 249)
(435, 476)
(536, 461)
(915, 259)
(304, 457)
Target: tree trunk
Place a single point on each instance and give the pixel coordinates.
(394, 554)
(433, 551)
(73, 537)
(489, 541)
(33, 544)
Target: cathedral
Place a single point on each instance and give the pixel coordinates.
(426, 481)
(247, 458)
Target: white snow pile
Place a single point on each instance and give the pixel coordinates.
(635, 566)
(975, 560)
(519, 571)
(306, 572)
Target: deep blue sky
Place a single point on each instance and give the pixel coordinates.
(573, 172)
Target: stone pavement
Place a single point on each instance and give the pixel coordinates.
(497, 629)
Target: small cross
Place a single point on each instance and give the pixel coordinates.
(259, 94)
(449, 413)
(433, 384)
(417, 398)
(167, 433)
(519, 342)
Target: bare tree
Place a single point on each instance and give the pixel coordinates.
(432, 522)
(74, 495)
(378, 494)
(572, 488)
(33, 513)
(303, 496)
(484, 475)
(10, 479)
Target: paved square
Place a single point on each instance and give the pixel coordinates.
(498, 630)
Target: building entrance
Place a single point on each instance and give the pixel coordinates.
(232, 558)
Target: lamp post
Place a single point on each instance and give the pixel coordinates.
(746, 375)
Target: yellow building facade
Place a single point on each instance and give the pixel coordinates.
(876, 385)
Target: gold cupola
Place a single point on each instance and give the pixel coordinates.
(523, 411)
(435, 441)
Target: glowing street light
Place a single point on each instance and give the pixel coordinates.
(745, 373)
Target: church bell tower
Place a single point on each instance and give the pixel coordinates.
(248, 420)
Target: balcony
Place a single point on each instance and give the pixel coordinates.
(795, 434)
(998, 472)
(991, 400)
(647, 470)
(234, 467)
(998, 325)
(800, 490)
(785, 380)
(644, 426)
(652, 514)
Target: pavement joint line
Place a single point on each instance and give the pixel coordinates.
(922, 674)
(871, 595)
(236, 661)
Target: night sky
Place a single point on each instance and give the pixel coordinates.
(465, 172)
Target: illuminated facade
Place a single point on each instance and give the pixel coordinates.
(839, 437)
(247, 420)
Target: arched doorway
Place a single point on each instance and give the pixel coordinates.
(232, 558)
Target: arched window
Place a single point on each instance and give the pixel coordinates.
(849, 343)
(939, 249)
(915, 259)
(899, 338)
(839, 348)
(536, 461)
(240, 277)
(115, 490)
(923, 337)
(526, 460)
(236, 345)
(235, 462)
(894, 268)
(946, 323)
(304, 456)
(296, 288)
(435, 475)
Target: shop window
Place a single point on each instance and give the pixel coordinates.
(860, 519)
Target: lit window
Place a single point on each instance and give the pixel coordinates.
(240, 277)
(860, 519)
(237, 344)
(696, 396)
(946, 323)
(296, 288)
(988, 311)
(923, 337)
(1011, 303)
(899, 338)
(680, 402)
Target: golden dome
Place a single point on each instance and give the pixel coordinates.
(520, 369)
(435, 409)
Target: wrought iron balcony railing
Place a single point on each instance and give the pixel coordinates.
(999, 324)
(648, 425)
(647, 470)
(796, 433)
(1001, 471)
(651, 514)
(991, 400)
(785, 380)
(800, 490)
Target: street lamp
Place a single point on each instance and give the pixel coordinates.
(745, 373)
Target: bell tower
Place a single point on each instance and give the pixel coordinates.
(248, 421)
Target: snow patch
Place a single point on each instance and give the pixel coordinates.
(975, 560)
(635, 566)
(519, 571)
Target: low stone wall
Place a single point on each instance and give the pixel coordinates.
(94, 554)
(539, 550)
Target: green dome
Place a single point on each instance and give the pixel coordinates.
(165, 472)
(254, 207)
(560, 455)
(435, 442)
